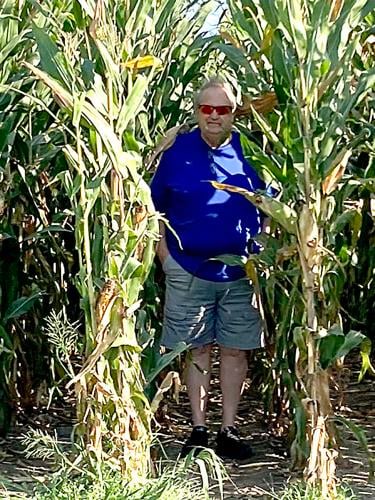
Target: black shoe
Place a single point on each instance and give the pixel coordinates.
(230, 445)
(197, 440)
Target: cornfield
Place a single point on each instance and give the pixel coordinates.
(88, 88)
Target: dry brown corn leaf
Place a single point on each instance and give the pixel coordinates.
(338, 167)
(262, 104)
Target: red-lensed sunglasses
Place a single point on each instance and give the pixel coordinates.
(206, 109)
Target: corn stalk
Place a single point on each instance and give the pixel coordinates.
(304, 52)
(110, 103)
(31, 256)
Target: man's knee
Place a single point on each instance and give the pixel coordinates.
(233, 353)
(201, 351)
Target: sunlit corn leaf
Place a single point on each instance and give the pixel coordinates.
(121, 159)
(132, 104)
(296, 27)
(366, 366)
(172, 379)
(231, 260)
(143, 62)
(268, 131)
(280, 212)
(6, 50)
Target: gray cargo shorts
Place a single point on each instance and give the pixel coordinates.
(201, 312)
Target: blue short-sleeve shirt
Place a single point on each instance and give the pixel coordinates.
(209, 222)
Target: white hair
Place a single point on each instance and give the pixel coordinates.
(215, 82)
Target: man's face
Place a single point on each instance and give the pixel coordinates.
(215, 127)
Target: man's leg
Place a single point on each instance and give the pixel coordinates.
(238, 329)
(198, 373)
(233, 368)
(189, 316)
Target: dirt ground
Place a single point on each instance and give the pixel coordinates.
(267, 472)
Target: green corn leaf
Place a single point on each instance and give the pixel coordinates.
(300, 335)
(7, 130)
(234, 54)
(364, 85)
(165, 360)
(270, 12)
(243, 22)
(361, 437)
(11, 45)
(188, 26)
(268, 132)
(51, 59)
(162, 15)
(261, 161)
(344, 219)
(353, 339)
(138, 16)
(132, 104)
(88, 6)
(281, 60)
(329, 346)
(6, 343)
(131, 268)
(43, 233)
(341, 29)
(21, 306)
(121, 160)
(297, 27)
(97, 95)
(317, 39)
(112, 68)
(77, 111)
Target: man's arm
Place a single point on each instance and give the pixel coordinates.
(161, 248)
(158, 193)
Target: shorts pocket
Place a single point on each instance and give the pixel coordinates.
(175, 313)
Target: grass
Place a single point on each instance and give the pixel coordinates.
(192, 479)
(299, 490)
(112, 487)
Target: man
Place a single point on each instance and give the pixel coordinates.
(207, 301)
